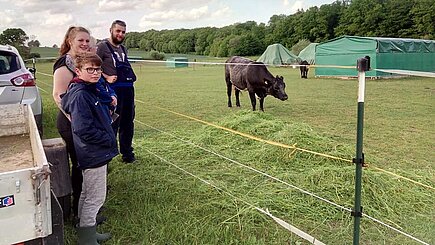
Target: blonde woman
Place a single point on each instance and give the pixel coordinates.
(76, 41)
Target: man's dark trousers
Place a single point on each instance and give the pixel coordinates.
(124, 124)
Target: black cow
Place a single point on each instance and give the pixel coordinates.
(253, 76)
(304, 69)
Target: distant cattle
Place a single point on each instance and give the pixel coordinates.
(304, 69)
(246, 74)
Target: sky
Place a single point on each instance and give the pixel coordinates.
(48, 20)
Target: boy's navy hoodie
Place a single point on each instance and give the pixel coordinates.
(94, 139)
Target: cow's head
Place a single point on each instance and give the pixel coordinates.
(277, 88)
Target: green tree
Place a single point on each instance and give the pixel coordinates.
(282, 30)
(214, 47)
(186, 42)
(362, 18)
(329, 19)
(132, 39)
(398, 20)
(423, 14)
(223, 48)
(16, 37)
(34, 43)
(249, 45)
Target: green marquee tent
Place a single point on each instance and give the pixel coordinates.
(385, 53)
(276, 54)
(309, 53)
(176, 62)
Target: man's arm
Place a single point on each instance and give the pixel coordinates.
(106, 56)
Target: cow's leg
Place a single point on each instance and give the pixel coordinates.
(237, 93)
(229, 88)
(253, 100)
(261, 103)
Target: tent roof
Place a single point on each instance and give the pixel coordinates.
(309, 53)
(277, 54)
(381, 44)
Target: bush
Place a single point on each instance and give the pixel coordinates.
(155, 55)
(35, 55)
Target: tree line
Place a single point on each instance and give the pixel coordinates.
(17, 37)
(375, 18)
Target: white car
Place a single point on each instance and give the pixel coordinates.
(17, 83)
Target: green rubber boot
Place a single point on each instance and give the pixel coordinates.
(102, 236)
(87, 235)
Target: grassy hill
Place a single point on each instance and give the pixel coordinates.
(45, 52)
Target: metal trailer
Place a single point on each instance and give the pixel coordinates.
(25, 205)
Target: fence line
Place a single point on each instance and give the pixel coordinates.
(285, 183)
(222, 63)
(45, 74)
(245, 64)
(408, 72)
(395, 71)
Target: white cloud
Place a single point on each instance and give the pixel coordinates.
(58, 20)
(221, 12)
(197, 13)
(297, 6)
(33, 6)
(149, 24)
(180, 15)
(158, 4)
(177, 4)
(6, 18)
(115, 5)
(86, 2)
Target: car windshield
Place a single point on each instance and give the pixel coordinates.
(8, 62)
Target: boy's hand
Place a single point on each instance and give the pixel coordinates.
(114, 101)
(111, 79)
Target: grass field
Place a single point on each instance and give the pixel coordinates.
(163, 199)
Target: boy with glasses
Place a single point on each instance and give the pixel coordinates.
(94, 142)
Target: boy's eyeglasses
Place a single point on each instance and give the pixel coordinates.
(91, 70)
